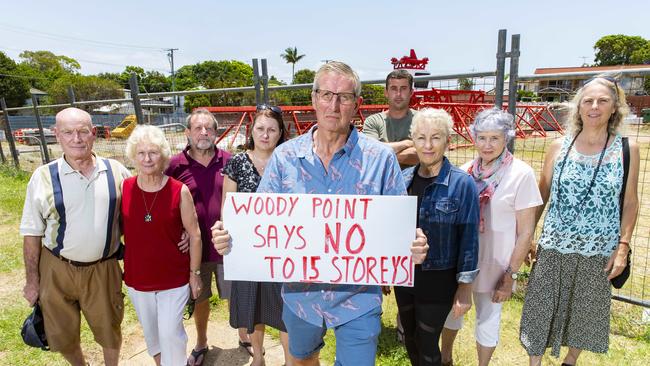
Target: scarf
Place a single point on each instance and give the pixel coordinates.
(487, 180)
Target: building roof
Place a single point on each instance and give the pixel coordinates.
(560, 70)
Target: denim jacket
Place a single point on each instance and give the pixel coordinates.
(449, 217)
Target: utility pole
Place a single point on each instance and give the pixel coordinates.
(170, 55)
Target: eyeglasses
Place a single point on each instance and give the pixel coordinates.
(273, 108)
(344, 98)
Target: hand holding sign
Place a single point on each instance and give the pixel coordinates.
(220, 238)
(338, 239)
(419, 248)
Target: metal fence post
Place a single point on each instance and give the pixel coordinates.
(135, 96)
(39, 124)
(2, 154)
(265, 81)
(501, 66)
(73, 98)
(514, 71)
(9, 134)
(256, 83)
(512, 83)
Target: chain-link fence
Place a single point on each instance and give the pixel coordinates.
(161, 109)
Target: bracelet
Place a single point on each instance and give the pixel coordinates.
(624, 242)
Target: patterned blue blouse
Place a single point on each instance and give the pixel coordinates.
(593, 227)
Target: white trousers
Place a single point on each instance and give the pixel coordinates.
(488, 319)
(161, 316)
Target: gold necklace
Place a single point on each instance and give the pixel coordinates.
(148, 217)
(260, 162)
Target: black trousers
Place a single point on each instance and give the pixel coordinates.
(423, 311)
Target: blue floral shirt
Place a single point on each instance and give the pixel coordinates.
(362, 166)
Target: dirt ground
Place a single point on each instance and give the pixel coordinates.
(222, 343)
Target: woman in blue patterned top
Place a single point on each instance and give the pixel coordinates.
(585, 241)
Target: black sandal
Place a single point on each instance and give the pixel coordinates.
(196, 354)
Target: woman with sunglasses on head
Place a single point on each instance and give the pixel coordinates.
(256, 304)
(587, 230)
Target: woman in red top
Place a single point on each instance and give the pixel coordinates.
(155, 211)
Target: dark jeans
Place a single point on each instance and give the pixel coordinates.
(423, 317)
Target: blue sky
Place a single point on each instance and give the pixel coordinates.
(457, 36)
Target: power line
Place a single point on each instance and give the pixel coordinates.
(59, 37)
(94, 62)
(22, 76)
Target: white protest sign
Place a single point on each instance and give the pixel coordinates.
(339, 239)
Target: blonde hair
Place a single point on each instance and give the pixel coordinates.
(148, 134)
(621, 109)
(438, 117)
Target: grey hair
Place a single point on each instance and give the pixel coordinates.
(493, 119)
(148, 134)
(438, 117)
(621, 109)
(340, 68)
(201, 112)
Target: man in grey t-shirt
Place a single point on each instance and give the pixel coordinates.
(393, 126)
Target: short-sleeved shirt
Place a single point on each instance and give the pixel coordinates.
(517, 191)
(362, 166)
(385, 129)
(205, 184)
(243, 172)
(79, 221)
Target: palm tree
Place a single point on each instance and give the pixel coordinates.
(291, 56)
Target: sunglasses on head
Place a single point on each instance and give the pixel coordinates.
(272, 108)
(608, 78)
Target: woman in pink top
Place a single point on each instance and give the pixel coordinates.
(508, 195)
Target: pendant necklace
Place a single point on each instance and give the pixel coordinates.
(260, 162)
(148, 217)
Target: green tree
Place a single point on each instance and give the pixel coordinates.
(125, 76)
(85, 88)
(46, 61)
(465, 84)
(617, 49)
(43, 67)
(373, 94)
(642, 55)
(185, 78)
(291, 56)
(304, 76)
(221, 74)
(113, 76)
(14, 89)
(154, 82)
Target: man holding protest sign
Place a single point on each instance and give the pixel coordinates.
(332, 158)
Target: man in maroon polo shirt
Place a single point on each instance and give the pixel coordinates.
(199, 167)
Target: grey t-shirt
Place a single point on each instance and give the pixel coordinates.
(385, 129)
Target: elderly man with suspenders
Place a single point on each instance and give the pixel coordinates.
(71, 232)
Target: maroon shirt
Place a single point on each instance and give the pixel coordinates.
(206, 184)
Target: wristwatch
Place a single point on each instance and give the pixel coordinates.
(196, 272)
(513, 275)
